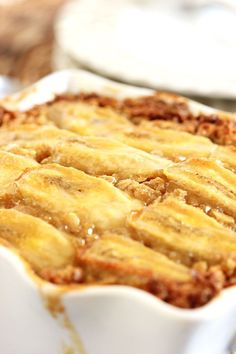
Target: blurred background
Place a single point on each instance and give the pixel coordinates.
(26, 38)
(183, 46)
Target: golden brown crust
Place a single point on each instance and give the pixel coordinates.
(106, 261)
(192, 294)
(172, 114)
(6, 116)
(124, 191)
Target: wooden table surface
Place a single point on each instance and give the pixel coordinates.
(26, 37)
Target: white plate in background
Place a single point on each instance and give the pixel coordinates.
(146, 42)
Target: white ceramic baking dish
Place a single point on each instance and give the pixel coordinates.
(39, 318)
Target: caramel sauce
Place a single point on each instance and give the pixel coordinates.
(67, 350)
(54, 305)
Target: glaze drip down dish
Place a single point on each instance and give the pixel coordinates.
(138, 192)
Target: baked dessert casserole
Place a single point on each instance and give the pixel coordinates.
(138, 192)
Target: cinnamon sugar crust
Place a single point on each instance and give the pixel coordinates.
(139, 192)
(174, 113)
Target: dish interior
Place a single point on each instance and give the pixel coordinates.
(136, 191)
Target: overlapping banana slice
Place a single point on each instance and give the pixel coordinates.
(72, 200)
(88, 196)
(11, 167)
(39, 243)
(183, 232)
